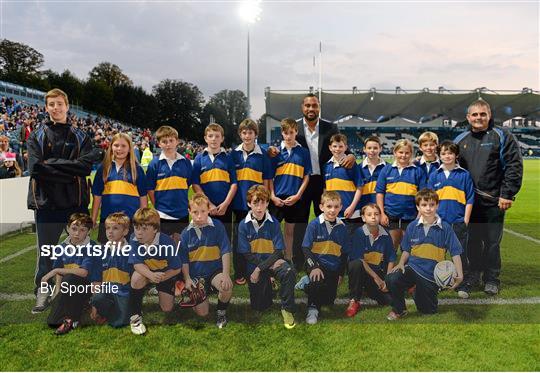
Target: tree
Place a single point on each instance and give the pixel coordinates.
(135, 106)
(180, 105)
(228, 108)
(19, 63)
(98, 97)
(110, 74)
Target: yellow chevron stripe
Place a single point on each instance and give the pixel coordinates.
(453, 194)
(121, 187)
(262, 246)
(248, 174)
(326, 248)
(205, 254)
(290, 169)
(215, 174)
(402, 188)
(373, 258)
(340, 185)
(116, 275)
(428, 251)
(171, 183)
(156, 264)
(369, 188)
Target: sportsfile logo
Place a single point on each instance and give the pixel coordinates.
(109, 250)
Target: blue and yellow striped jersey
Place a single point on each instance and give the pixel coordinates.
(160, 256)
(262, 241)
(455, 192)
(251, 169)
(91, 263)
(369, 182)
(170, 185)
(428, 167)
(215, 173)
(328, 244)
(117, 270)
(377, 252)
(400, 189)
(290, 167)
(427, 250)
(203, 248)
(119, 193)
(345, 181)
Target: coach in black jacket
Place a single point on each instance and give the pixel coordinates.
(493, 158)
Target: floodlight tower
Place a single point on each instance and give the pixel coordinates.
(250, 11)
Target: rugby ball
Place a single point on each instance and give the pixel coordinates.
(444, 274)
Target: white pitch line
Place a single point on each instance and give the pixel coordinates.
(339, 301)
(18, 253)
(521, 235)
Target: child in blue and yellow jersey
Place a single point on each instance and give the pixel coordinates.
(155, 259)
(429, 162)
(346, 181)
(261, 242)
(377, 258)
(119, 183)
(326, 247)
(253, 167)
(73, 268)
(455, 189)
(396, 187)
(292, 167)
(214, 175)
(206, 256)
(426, 242)
(114, 307)
(169, 178)
(370, 168)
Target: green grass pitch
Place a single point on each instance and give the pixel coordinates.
(493, 337)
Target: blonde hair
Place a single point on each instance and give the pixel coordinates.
(214, 127)
(248, 124)
(198, 199)
(289, 124)
(146, 216)
(166, 131)
(131, 160)
(56, 92)
(258, 193)
(18, 171)
(118, 218)
(330, 195)
(371, 206)
(428, 136)
(401, 143)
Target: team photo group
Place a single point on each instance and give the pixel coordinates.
(304, 216)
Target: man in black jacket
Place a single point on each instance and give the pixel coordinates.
(60, 157)
(493, 158)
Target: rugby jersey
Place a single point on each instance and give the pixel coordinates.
(345, 181)
(400, 189)
(251, 169)
(261, 240)
(203, 247)
(119, 193)
(428, 167)
(214, 173)
(170, 181)
(161, 257)
(369, 181)
(455, 192)
(377, 252)
(290, 167)
(91, 263)
(327, 243)
(117, 270)
(426, 250)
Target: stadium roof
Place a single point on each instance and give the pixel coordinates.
(420, 107)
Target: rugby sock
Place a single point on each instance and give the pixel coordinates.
(222, 306)
(135, 301)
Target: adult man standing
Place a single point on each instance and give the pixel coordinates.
(60, 157)
(492, 156)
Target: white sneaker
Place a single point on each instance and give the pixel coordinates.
(136, 324)
(153, 291)
(312, 316)
(42, 301)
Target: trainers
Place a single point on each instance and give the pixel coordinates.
(136, 324)
(153, 291)
(300, 285)
(491, 288)
(240, 281)
(464, 291)
(67, 326)
(392, 316)
(312, 316)
(288, 319)
(221, 319)
(353, 308)
(42, 301)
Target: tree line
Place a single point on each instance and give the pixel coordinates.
(108, 91)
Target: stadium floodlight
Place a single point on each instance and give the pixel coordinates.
(250, 12)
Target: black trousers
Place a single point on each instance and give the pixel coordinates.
(239, 262)
(425, 295)
(462, 233)
(360, 280)
(484, 246)
(261, 294)
(323, 292)
(66, 306)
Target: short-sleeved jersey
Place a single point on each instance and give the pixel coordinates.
(117, 270)
(203, 247)
(262, 241)
(91, 263)
(215, 173)
(426, 250)
(428, 167)
(399, 189)
(378, 251)
(327, 243)
(119, 193)
(369, 182)
(345, 181)
(290, 168)
(170, 184)
(455, 192)
(251, 169)
(160, 256)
